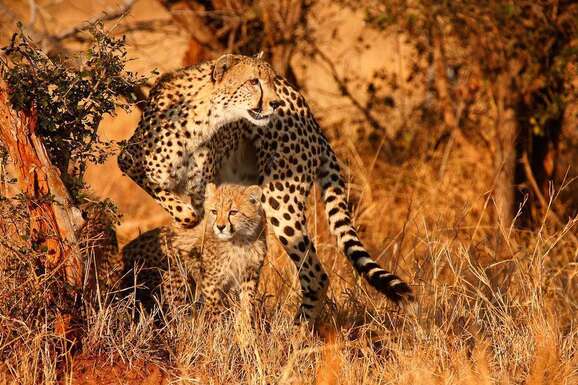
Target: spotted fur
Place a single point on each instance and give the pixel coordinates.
(285, 151)
(98, 242)
(224, 253)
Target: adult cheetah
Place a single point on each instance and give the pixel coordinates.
(197, 124)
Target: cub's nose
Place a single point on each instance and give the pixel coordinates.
(221, 227)
(275, 103)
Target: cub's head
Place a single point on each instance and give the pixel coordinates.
(234, 212)
(243, 88)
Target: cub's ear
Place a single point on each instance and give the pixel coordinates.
(222, 65)
(260, 55)
(254, 193)
(210, 190)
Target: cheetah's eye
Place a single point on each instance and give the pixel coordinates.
(254, 82)
(214, 212)
(233, 212)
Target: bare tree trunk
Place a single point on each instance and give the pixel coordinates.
(504, 156)
(505, 160)
(442, 86)
(52, 223)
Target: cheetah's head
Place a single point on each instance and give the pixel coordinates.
(234, 212)
(243, 89)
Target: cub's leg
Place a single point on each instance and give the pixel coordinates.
(210, 289)
(248, 289)
(248, 292)
(286, 214)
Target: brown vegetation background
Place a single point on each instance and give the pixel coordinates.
(497, 287)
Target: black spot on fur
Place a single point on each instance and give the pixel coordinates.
(273, 203)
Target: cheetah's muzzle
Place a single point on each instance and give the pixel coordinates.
(257, 114)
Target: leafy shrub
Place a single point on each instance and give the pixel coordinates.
(71, 96)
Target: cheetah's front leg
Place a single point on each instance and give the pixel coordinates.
(185, 214)
(193, 176)
(161, 182)
(212, 296)
(287, 219)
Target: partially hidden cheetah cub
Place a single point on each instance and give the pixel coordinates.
(224, 253)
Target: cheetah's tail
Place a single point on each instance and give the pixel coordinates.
(338, 214)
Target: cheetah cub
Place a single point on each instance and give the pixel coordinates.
(224, 253)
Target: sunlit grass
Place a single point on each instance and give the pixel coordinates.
(495, 306)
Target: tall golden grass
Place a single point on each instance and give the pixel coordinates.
(495, 305)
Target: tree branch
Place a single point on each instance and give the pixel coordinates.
(541, 198)
(345, 91)
(191, 21)
(108, 16)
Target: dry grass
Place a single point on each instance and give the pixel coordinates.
(495, 306)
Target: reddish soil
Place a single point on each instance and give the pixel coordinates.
(97, 371)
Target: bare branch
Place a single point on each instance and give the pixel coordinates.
(536, 189)
(108, 16)
(155, 26)
(190, 19)
(342, 84)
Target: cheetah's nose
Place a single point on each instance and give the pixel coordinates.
(275, 103)
(221, 227)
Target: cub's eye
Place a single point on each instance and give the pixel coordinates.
(214, 212)
(254, 82)
(233, 212)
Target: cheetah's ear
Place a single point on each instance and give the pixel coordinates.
(260, 55)
(222, 65)
(254, 193)
(210, 190)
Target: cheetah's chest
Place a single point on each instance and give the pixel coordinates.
(238, 262)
